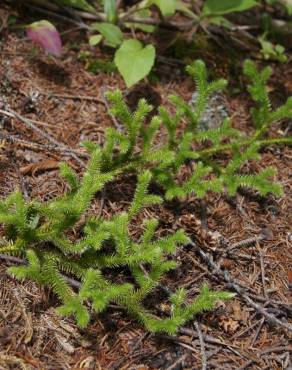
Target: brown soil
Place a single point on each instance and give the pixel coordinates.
(66, 101)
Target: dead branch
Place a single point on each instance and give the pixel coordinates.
(216, 270)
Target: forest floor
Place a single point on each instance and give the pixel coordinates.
(64, 100)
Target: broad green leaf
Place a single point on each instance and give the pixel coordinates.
(134, 61)
(79, 4)
(167, 7)
(112, 34)
(288, 5)
(180, 6)
(144, 13)
(271, 51)
(110, 10)
(220, 7)
(95, 39)
(221, 21)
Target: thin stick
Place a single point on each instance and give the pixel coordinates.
(73, 97)
(32, 145)
(74, 283)
(202, 344)
(265, 351)
(63, 18)
(179, 361)
(207, 338)
(32, 126)
(244, 243)
(12, 259)
(257, 332)
(233, 285)
(182, 26)
(263, 274)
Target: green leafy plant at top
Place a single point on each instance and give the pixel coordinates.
(147, 16)
(42, 232)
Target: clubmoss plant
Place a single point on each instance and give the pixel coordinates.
(191, 145)
(38, 232)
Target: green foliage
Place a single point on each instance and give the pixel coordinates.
(286, 3)
(112, 34)
(79, 4)
(215, 7)
(39, 232)
(167, 7)
(110, 9)
(95, 65)
(191, 146)
(134, 61)
(272, 51)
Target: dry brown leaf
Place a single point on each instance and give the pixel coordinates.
(239, 314)
(228, 324)
(39, 166)
(290, 279)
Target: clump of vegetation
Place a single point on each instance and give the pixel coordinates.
(112, 20)
(38, 231)
(191, 146)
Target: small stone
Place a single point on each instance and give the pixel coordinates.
(214, 114)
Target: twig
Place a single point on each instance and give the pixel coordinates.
(32, 145)
(73, 97)
(171, 61)
(257, 332)
(179, 361)
(74, 283)
(12, 259)
(240, 334)
(263, 274)
(207, 338)
(244, 243)
(265, 351)
(182, 26)
(32, 126)
(202, 344)
(233, 285)
(270, 302)
(63, 18)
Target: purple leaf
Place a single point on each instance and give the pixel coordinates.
(46, 35)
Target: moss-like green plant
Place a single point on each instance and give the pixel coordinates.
(193, 146)
(38, 232)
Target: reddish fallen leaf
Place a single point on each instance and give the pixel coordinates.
(290, 279)
(45, 34)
